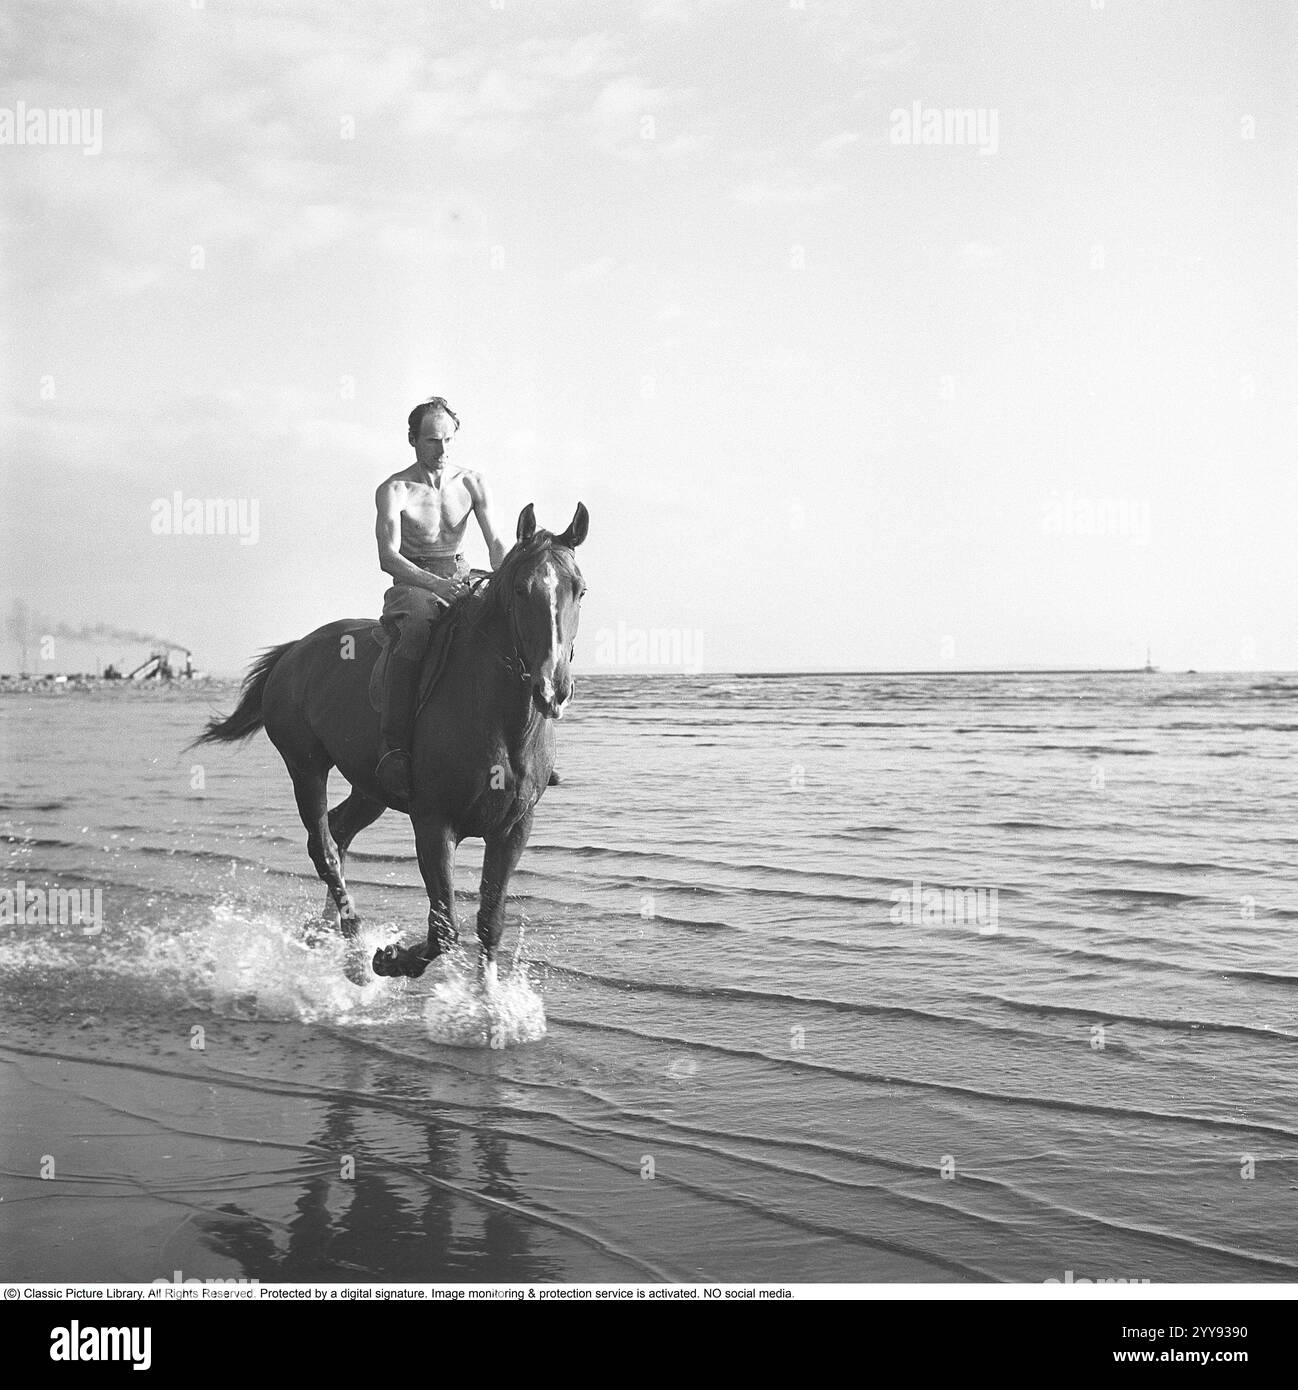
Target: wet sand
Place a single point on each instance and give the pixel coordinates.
(170, 1159)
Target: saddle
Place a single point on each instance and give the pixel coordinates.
(432, 661)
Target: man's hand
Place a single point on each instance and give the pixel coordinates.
(448, 590)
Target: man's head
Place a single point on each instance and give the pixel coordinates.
(432, 427)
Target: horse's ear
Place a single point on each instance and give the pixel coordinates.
(527, 523)
(576, 532)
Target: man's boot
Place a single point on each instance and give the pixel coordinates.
(400, 683)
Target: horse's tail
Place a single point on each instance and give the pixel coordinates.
(247, 717)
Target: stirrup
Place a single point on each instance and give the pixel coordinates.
(395, 777)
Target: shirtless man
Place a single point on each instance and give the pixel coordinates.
(423, 513)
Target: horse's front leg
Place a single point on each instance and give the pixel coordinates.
(435, 846)
(498, 862)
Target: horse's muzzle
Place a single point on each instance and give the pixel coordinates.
(551, 699)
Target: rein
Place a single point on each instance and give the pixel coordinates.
(511, 661)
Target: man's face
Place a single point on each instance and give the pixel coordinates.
(433, 442)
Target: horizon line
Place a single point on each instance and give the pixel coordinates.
(1021, 670)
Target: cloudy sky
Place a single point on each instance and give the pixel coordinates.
(835, 395)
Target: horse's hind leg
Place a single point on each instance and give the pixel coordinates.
(346, 821)
(311, 788)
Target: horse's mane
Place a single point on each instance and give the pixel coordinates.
(493, 593)
(489, 598)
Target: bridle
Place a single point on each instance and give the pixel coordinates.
(512, 661)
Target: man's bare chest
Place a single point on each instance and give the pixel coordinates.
(444, 508)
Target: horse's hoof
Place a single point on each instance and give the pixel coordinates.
(385, 961)
(397, 961)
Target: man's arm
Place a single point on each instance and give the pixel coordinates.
(387, 530)
(496, 548)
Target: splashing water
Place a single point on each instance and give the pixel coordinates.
(263, 960)
(248, 962)
(468, 1010)
(256, 962)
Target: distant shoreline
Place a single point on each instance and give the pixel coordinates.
(52, 684)
(968, 671)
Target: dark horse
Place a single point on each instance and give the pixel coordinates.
(483, 743)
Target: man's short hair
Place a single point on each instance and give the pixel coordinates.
(437, 403)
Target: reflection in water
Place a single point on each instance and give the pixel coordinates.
(392, 1222)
